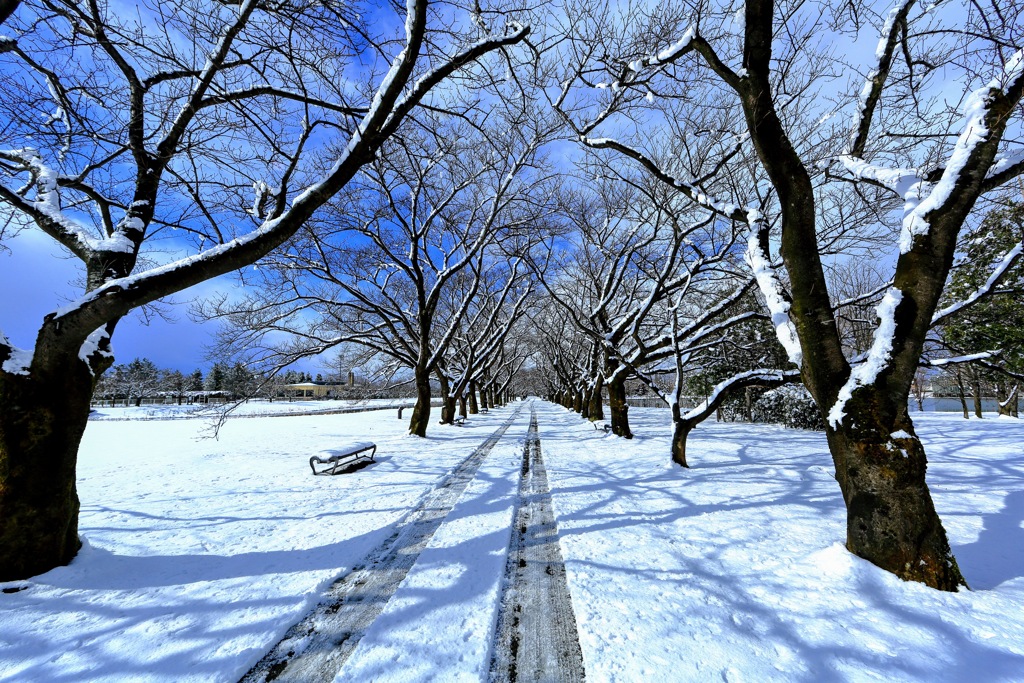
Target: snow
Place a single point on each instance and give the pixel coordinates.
(201, 553)
(92, 345)
(878, 355)
(249, 409)
(19, 361)
(975, 131)
(771, 288)
(1009, 258)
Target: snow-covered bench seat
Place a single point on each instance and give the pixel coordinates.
(345, 459)
(602, 426)
(459, 420)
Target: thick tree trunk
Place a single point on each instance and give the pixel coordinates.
(596, 401)
(44, 416)
(891, 519)
(421, 411)
(483, 398)
(462, 406)
(618, 407)
(474, 408)
(588, 394)
(680, 432)
(577, 401)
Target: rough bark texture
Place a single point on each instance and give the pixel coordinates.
(421, 412)
(891, 519)
(474, 407)
(680, 432)
(596, 400)
(38, 451)
(618, 408)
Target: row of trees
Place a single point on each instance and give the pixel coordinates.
(141, 378)
(761, 131)
(746, 205)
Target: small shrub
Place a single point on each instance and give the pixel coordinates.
(790, 405)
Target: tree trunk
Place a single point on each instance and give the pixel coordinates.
(891, 519)
(680, 432)
(421, 411)
(483, 398)
(976, 388)
(619, 408)
(596, 401)
(462, 406)
(1008, 406)
(474, 408)
(960, 393)
(44, 417)
(585, 405)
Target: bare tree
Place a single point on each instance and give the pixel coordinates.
(403, 257)
(762, 67)
(204, 117)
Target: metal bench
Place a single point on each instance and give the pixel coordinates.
(341, 460)
(483, 411)
(459, 420)
(602, 426)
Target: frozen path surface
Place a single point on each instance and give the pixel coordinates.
(536, 638)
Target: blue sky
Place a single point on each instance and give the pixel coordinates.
(36, 277)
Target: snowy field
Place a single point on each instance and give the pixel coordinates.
(201, 553)
(169, 411)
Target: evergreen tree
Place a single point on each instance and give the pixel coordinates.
(997, 321)
(215, 380)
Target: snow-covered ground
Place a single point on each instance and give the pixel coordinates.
(201, 554)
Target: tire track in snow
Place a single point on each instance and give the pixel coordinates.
(316, 648)
(536, 637)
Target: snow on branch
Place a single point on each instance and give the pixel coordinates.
(875, 80)
(46, 208)
(689, 188)
(18, 361)
(954, 360)
(908, 183)
(975, 131)
(878, 355)
(771, 288)
(741, 378)
(1009, 259)
(667, 55)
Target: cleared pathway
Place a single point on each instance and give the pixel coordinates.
(536, 638)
